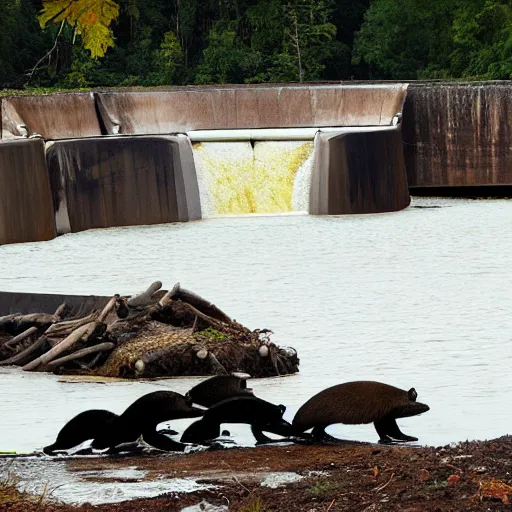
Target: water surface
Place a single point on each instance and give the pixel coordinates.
(419, 298)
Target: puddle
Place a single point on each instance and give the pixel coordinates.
(275, 480)
(93, 486)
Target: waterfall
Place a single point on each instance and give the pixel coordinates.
(262, 177)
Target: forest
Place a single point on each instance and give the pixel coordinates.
(70, 44)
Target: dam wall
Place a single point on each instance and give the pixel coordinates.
(26, 213)
(126, 157)
(52, 117)
(12, 303)
(359, 172)
(458, 135)
(122, 181)
(244, 107)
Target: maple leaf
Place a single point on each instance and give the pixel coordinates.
(90, 19)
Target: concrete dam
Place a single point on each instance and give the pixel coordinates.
(76, 161)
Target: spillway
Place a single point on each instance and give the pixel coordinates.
(260, 177)
(126, 158)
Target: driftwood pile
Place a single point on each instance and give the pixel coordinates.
(153, 334)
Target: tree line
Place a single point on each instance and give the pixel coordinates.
(112, 43)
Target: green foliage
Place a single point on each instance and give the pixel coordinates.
(255, 505)
(213, 335)
(322, 488)
(226, 59)
(307, 35)
(169, 60)
(406, 38)
(90, 19)
(109, 43)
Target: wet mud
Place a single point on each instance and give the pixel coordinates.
(463, 477)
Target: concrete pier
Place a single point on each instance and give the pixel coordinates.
(26, 213)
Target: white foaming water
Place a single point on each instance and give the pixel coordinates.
(418, 298)
(263, 177)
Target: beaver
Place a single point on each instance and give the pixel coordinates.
(360, 402)
(261, 415)
(141, 419)
(216, 389)
(84, 426)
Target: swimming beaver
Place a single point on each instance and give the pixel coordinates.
(258, 413)
(360, 402)
(84, 426)
(218, 388)
(141, 419)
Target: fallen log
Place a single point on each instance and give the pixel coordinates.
(200, 304)
(81, 334)
(144, 298)
(181, 313)
(217, 368)
(7, 318)
(101, 347)
(24, 354)
(24, 322)
(57, 316)
(24, 335)
(67, 326)
(108, 308)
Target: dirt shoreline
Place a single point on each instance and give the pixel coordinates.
(358, 478)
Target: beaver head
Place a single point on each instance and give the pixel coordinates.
(409, 407)
(218, 388)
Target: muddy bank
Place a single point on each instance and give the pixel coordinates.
(464, 477)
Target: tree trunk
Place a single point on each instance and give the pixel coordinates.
(20, 357)
(20, 337)
(82, 333)
(144, 298)
(101, 347)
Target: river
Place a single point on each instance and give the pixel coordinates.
(418, 298)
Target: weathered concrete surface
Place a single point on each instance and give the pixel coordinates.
(358, 172)
(458, 134)
(229, 107)
(26, 213)
(53, 116)
(122, 181)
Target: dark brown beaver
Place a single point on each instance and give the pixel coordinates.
(143, 416)
(86, 425)
(260, 414)
(360, 402)
(220, 387)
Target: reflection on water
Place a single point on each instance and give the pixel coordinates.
(419, 298)
(57, 481)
